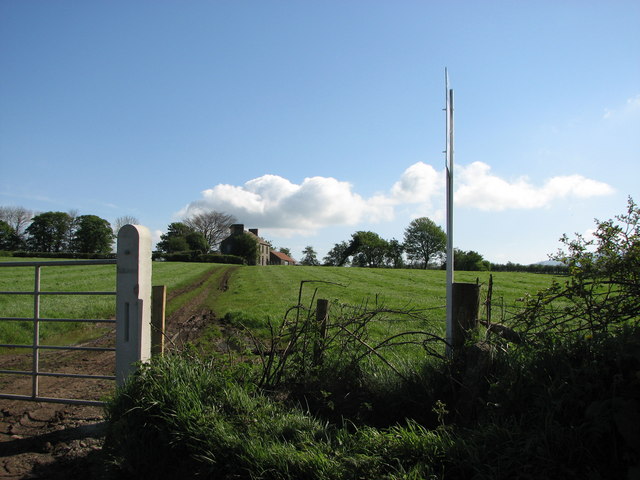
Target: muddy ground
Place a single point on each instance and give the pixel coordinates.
(56, 441)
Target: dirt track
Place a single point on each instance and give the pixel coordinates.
(50, 440)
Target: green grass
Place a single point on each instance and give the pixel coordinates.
(73, 278)
(259, 293)
(254, 295)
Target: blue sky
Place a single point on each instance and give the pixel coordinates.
(311, 120)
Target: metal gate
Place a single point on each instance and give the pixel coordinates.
(133, 303)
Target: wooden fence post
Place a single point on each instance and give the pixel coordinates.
(466, 304)
(322, 311)
(133, 301)
(158, 303)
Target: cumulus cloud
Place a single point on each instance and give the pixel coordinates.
(479, 188)
(418, 184)
(285, 208)
(276, 203)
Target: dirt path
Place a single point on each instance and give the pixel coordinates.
(51, 441)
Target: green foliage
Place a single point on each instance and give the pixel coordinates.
(337, 256)
(469, 261)
(393, 258)
(366, 249)
(181, 238)
(602, 292)
(424, 241)
(243, 245)
(309, 257)
(48, 232)
(92, 235)
(9, 239)
(196, 256)
(184, 417)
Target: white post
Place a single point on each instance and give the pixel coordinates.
(449, 180)
(133, 304)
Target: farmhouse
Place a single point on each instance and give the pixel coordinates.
(265, 254)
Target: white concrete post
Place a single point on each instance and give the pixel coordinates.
(133, 304)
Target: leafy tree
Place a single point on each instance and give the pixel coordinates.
(9, 239)
(285, 250)
(180, 238)
(602, 292)
(197, 242)
(243, 245)
(48, 232)
(71, 228)
(367, 249)
(92, 235)
(394, 253)
(424, 241)
(469, 261)
(337, 255)
(214, 226)
(309, 257)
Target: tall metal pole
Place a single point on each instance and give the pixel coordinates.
(449, 181)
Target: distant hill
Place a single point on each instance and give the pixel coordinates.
(553, 263)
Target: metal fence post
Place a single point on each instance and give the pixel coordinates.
(133, 304)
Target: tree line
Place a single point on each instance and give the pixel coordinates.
(423, 246)
(56, 232)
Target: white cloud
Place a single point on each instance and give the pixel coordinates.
(284, 208)
(275, 203)
(418, 184)
(480, 189)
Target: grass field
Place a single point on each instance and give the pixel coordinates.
(74, 278)
(254, 293)
(269, 291)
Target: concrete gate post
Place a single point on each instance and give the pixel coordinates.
(133, 304)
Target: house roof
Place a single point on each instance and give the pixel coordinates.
(283, 257)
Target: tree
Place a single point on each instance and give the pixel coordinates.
(124, 220)
(393, 257)
(213, 225)
(180, 238)
(285, 250)
(9, 240)
(18, 218)
(337, 255)
(424, 241)
(197, 242)
(469, 261)
(243, 245)
(367, 249)
(602, 292)
(92, 235)
(309, 257)
(71, 228)
(48, 232)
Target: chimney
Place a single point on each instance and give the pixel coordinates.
(254, 231)
(237, 229)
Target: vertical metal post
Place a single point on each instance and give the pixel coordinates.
(36, 335)
(449, 182)
(133, 304)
